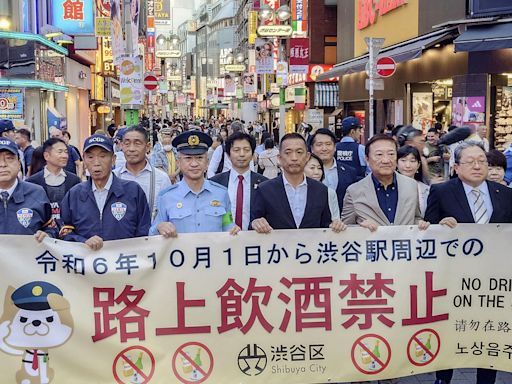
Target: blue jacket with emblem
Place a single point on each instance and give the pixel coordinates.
(27, 211)
(126, 213)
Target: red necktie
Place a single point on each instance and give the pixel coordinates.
(35, 361)
(239, 201)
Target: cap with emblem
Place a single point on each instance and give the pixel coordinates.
(192, 142)
(8, 145)
(349, 123)
(6, 125)
(34, 295)
(99, 141)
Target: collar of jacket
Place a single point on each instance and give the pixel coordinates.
(116, 188)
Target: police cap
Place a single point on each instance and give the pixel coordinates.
(99, 141)
(7, 144)
(34, 295)
(192, 142)
(6, 125)
(349, 123)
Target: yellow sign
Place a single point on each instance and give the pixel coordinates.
(396, 21)
(252, 25)
(102, 28)
(103, 109)
(174, 53)
(235, 67)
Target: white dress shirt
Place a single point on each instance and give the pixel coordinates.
(232, 190)
(143, 178)
(11, 189)
(484, 193)
(297, 198)
(101, 196)
(54, 180)
(216, 159)
(331, 176)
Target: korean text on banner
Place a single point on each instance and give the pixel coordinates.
(296, 306)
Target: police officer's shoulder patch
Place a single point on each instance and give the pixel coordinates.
(24, 216)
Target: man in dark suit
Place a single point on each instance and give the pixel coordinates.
(240, 181)
(292, 200)
(469, 198)
(337, 176)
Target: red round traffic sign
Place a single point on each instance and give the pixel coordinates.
(150, 82)
(386, 66)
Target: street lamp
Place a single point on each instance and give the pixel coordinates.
(283, 13)
(240, 57)
(266, 13)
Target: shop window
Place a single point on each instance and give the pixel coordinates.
(330, 49)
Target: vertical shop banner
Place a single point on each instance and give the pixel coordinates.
(296, 306)
(264, 56)
(300, 16)
(250, 83)
(102, 24)
(422, 110)
(130, 80)
(150, 36)
(252, 26)
(282, 73)
(468, 110)
(134, 24)
(229, 85)
(11, 103)
(73, 17)
(299, 55)
(300, 98)
(116, 30)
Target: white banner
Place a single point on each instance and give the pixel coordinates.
(295, 306)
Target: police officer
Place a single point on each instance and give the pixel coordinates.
(348, 150)
(8, 131)
(26, 210)
(104, 207)
(194, 204)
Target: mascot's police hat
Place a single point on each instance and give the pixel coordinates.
(34, 295)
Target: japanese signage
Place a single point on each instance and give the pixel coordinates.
(314, 70)
(252, 25)
(102, 27)
(291, 305)
(11, 103)
(130, 80)
(300, 17)
(74, 17)
(299, 55)
(162, 12)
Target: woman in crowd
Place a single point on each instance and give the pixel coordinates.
(409, 164)
(267, 160)
(497, 166)
(315, 170)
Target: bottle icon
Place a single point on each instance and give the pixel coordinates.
(365, 356)
(196, 375)
(186, 366)
(376, 352)
(127, 368)
(428, 346)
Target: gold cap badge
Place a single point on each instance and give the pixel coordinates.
(193, 140)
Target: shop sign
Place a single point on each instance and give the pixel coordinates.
(107, 56)
(131, 80)
(103, 8)
(252, 25)
(115, 92)
(316, 70)
(11, 103)
(235, 67)
(299, 55)
(370, 10)
(299, 16)
(73, 17)
(315, 117)
(169, 53)
(162, 12)
(174, 78)
(102, 27)
(282, 73)
(103, 109)
(275, 30)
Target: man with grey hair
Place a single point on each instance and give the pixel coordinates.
(219, 161)
(469, 198)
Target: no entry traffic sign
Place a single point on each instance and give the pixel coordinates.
(150, 82)
(386, 67)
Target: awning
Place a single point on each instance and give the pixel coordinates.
(327, 95)
(485, 38)
(336, 112)
(404, 51)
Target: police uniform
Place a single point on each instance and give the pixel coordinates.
(26, 208)
(125, 214)
(348, 151)
(209, 210)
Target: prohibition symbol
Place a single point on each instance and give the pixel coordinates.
(134, 365)
(422, 348)
(371, 354)
(192, 363)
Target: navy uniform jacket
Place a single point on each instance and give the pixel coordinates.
(126, 213)
(27, 211)
(271, 202)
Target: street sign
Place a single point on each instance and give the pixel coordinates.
(235, 67)
(375, 42)
(378, 84)
(386, 67)
(172, 53)
(275, 30)
(150, 82)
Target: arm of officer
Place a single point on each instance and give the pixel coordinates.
(228, 224)
(67, 232)
(144, 214)
(161, 224)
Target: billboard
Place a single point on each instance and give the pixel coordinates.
(73, 17)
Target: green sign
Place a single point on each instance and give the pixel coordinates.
(131, 117)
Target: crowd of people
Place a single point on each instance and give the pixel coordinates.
(229, 176)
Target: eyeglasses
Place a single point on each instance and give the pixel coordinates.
(481, 163)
